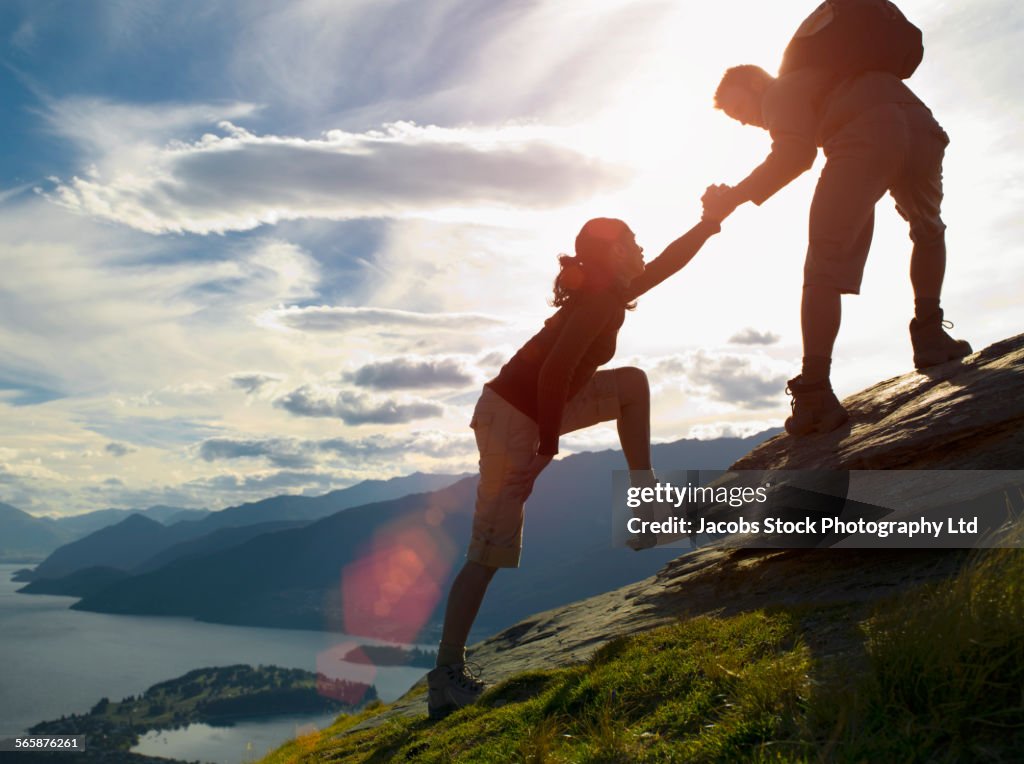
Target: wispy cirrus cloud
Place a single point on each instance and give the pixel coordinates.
(325, 318)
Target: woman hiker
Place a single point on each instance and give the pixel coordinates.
(552, 386)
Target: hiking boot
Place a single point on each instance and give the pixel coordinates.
(815, 408)
(932, 345)
(449, 688)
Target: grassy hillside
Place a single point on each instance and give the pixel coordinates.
(934, 674)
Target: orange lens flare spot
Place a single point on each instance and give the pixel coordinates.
(391, 591)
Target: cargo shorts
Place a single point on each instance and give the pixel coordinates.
(507, 440)
(897, 148)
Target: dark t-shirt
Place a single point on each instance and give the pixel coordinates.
(561, 358)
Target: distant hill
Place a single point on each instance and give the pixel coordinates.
(134, 540)
(308, 508)
(223, 538)
(81, 583)
(391, 557)
(24, 538)
(82, 525)
(122, 546)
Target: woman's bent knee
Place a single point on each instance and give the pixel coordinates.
(632, 382)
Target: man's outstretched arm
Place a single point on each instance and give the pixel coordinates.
(791, 117)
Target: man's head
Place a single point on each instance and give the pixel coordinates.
(741, 92)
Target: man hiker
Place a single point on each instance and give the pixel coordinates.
(841, 87)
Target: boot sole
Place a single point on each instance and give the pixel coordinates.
(831, 421)
(926, 362)
(436, 714)
(440, 712)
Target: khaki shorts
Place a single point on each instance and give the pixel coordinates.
(507, 440)
(897, 148)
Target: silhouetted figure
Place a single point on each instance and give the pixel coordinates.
(840, 88)
(552, 386)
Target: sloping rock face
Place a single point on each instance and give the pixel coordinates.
(958, 416)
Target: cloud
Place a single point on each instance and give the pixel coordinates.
(118, 449)
(33, 487)
(119, 135)
(325, 318)
(269, 482)
(252, 383)
(434, 443)
(153, 432)
(493, 359)
(751, 336)
(239, 180)
(295, 452)
(355, 408)
(21, 394)
(24, 37)
(477, 59)
(745, 381)
(279, 452)
(402, 373)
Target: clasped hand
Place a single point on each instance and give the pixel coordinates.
(719, 201)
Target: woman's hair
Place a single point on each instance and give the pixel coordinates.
(590, 268)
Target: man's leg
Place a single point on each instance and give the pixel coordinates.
(860, 160)
(918, 195)
(820, 316)
(821, 304)
(815, 407)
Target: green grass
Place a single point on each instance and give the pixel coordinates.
(936, 674)
(947, 670)
(706, 689)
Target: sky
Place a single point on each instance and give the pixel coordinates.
(252, 248)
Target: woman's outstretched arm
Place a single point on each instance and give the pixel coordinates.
(676, 255)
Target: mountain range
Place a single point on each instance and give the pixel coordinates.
(137, 538)
(27, 538)
(382, 569)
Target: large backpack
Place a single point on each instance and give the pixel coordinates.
(848, 37)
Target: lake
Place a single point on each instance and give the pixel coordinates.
(55, 661)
